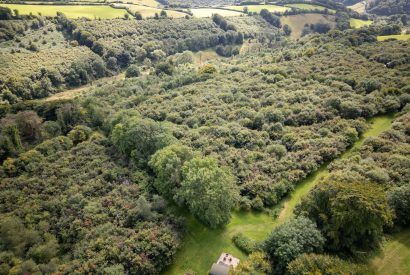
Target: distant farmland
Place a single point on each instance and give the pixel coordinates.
(398, 37)
(309, 7)
(150, 12)
(258, 8)
(357, 23)
(297, 22)
(205, 12)
(74, 11)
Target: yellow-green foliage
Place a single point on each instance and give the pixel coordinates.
(358, 23)
(398, 37)
(75, 11)
(25, 64)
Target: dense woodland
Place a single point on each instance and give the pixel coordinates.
(93, 184)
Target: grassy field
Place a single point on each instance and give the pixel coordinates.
(150, 12)
(205, 12)
(258, 8)
(359, 7)
(309, 7)
(398, 37)
(202, 246)
(148, 3)
(358, 23)
(76, 11)
(394, 258)
(297, 22)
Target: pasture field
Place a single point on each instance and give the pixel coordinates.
(359, 7)
(397, 36)
(297, 22)
(309, 7)
(148, 3)
(207, 12)
(358, 23)
(77, 11)
(395, 255)
(258, 8)
(150, 12)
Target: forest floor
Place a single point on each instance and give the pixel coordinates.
(202, 246)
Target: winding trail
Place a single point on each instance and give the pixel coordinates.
(202, 246)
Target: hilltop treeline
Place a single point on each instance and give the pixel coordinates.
(389, 7)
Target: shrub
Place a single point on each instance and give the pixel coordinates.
(244, 243)
(79, 134)
(132, 71)
(292, 239)
(207, 69)
(323, 264)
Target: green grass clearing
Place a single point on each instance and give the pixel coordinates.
(205, 12)
(394, 258)
(258, 8)
(75, 11)
(358, 23)
(202, 246)
(309, 7)
(297, 22)
(398, 37)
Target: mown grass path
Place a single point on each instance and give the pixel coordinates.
(395, 255)
(202, 246)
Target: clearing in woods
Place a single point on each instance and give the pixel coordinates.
(397, 36)
(258, 8)
(205, 12)
(72, 93)
(358, 23)
(74, 11)
(202, 245)
(297, 22)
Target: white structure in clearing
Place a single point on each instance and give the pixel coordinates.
(224, 264)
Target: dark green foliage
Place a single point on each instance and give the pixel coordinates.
(351, 216)
(167, 164)
(164, 68)
(132, 71)
(139, 138)
(106, 223)
(5, 13)
(389, 7)
(257, 264)
(270, 18)
(208, 191)
(79, 134)
(324, 264)
(399, 201)
(244, 243)
(292, 239)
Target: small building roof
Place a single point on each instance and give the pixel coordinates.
(228, 259)
(219, 269)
